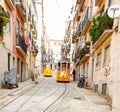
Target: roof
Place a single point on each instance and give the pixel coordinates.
(64, 60)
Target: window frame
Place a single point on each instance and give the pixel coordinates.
(107, 55)
(98, 61)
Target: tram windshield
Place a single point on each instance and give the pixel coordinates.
(63, 66)
(48, 66)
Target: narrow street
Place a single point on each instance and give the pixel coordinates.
(51, 96)
(73, 37)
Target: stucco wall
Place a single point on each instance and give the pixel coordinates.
(3, 62)
(115, 70)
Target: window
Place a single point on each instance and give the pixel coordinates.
(18, 65)
(68, 66)
(81, 42)
(58, 66)
(8, 61)
(104, 88)
(98, 61)
(22, 31)
(87, 69)
(13, 61)
(63, 66)
(17, 26)
(8, 24)
(96, 88)
(107, 55)
(21, 70)
(59, 44)
(55, 43)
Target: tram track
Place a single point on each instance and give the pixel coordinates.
(62, 94)
(45, 99)
(19, 94)
(56, 94)
(35, 92)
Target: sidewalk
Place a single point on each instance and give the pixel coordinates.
(93, 97)
(4, 91)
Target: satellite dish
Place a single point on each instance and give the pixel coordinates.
(114, 11)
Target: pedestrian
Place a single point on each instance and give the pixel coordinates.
(74, 74)
(36, 74)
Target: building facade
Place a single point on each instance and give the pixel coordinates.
(95, 56)
(18, 42)
(55, 48)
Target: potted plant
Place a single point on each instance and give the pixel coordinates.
(3, 21)
(100, 23)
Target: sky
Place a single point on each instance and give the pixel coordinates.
(56, 13)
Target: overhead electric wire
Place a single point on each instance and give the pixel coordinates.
(60, 11)
(72, 7)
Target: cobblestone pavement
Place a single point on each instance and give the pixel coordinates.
(82, 100)
(92, 98)
(4, 91)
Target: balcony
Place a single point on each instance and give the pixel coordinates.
(33, 26)
(102, 38)
(74, 37)
(82, 2)
(20, 45)
(73, 55)
(35, 34)
(34, 50)
(10, 3)
(86, 23)
(99, 2)
(21, 8)
(43, 50)
(29, 15)
(32, 23)
(83, 53)
(101, 28)
(78, 14)
(77, 5)
(78, 1)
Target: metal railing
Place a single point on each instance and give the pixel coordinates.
(20, 42)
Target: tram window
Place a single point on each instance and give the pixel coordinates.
(63, 66)
(68, 67)
(58, 66)
(51, 66)
(44, 66)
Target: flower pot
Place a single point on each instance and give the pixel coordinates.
(1, 38)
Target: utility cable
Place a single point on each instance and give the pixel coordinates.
(60, 11)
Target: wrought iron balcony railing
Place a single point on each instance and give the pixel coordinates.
(74, 37)
(10, 3)
(20, 43)
(85, 20)
(98, 2)
(83, 52)
(21, 8)
(35, 49)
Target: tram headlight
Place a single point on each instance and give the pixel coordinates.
(62, 74)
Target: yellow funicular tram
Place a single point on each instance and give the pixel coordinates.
(48, 72)
(63, 71)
